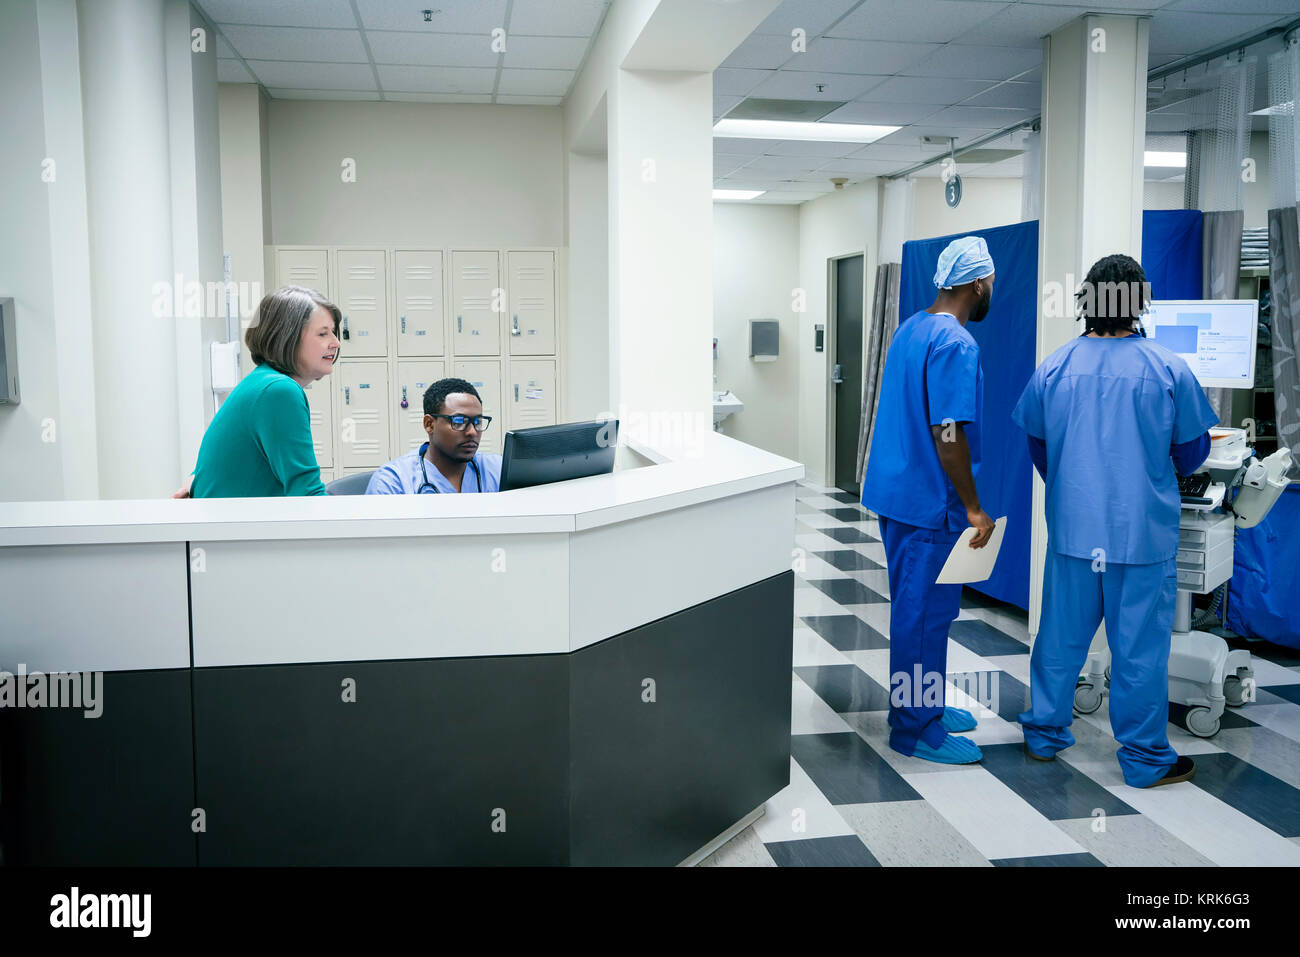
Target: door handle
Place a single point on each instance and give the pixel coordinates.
(458, 323)
(403, 325)
(836, 374)
(346, 334)
(516, 391)
(514, 328)
(347, 395)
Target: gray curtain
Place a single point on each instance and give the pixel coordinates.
(1284, 281)
(884, 320)
(1220, 265)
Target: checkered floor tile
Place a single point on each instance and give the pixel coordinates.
(854, 801)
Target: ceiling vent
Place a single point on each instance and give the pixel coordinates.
(756, 108)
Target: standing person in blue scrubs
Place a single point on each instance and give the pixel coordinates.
(920, 482)
(450, 461)
(1112, 419)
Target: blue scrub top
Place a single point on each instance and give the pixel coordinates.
(402, 476)
(932, 376)
(1110, 410)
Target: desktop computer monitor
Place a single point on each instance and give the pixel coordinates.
(1215, 337)
(556, 453)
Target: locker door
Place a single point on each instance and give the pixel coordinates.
(320, 405)
(363, 301)
(475, 284)
(531, 396)
(532, 303)
(417, 294)
(326, 476)
(302, 267)
(486, 378)
(363, 414)
(413, 378)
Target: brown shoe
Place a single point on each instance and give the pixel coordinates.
(1182, 770)
(1039, 757)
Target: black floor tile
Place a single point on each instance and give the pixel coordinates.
(842, 496)
(848, 591)
(848, 851)
(847, 632)
(847, 513)
(849, 536)
(848, 559)
(845, 688)
(847, 771)
(1050, 860)
(1053, 788)
(983, 639)
(1252, 791)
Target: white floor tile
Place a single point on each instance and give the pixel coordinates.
(812, 649)
(800, 811)
(1267, 673)
(1131, 840)
(1282, 718)
(743, 850)
(818, 569)
(813, 601)
(910, 834)
(809, 714)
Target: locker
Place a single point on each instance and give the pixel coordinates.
(531, 393)
(320, 406)
(532, 303)
(362, 298)
(326, 476)
(476, 301)
(485, 376)
(302, 267)
(363, 414)
(417, 298)
(413, 378)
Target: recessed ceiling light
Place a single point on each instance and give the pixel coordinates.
(791, 130)
(1161, 158)
(737, 193)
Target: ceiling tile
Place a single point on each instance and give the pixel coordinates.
(1021, 96)
(278, 94)
(545, 53)
(284, 75)
(453, 16)
(795, 85)
(517, 100)
(812, 148)
(436, 79)
(979, 117)
(811, 16)
(738, 82)
(722, 104)
(296, 43)
(1021, 25)
(884, 114)
(893, 151)
(760, 53)
(1276, 7)
(432, 49)
(224, 49)
(785, 164)
(861, 56)
(556, 18)
(924, 89)
(860, 167)
(911, 136)
(232, 71)
(975, 62)
(929, 21)
(1174, 32)
(439, 97)
(536, 82)
(282, 13)
(740, 144)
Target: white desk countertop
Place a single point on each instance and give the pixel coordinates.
(717, 467)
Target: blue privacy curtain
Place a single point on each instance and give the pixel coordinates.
(1007, 344)
(1171, 252)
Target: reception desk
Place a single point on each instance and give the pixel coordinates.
(594, 672)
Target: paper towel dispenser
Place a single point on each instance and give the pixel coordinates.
(764, 339)
(8, 354)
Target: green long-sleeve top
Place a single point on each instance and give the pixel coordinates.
(259, 442)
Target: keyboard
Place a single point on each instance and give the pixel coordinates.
(1191, 488)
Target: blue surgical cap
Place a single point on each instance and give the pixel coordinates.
(965, 260)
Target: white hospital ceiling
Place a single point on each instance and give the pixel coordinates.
(385, 50)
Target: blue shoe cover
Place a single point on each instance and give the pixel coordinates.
(955, 720)
(954, 750)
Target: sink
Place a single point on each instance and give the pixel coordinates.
(725, 404)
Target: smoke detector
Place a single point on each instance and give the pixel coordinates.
(839, 181)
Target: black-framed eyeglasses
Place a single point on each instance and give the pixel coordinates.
(461, 422)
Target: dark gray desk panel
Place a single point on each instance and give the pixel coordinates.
(654, 782)
(411, 773)
(113, 790)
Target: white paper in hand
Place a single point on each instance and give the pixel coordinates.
(966, 564)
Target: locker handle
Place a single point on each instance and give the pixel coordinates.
(346, 334)
(458, 323)
(403, 325)
(514, 329)
(516, 391)
(347, 395)
(405, 404)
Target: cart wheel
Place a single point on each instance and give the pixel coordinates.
(1199, 723)
(1087, 698)
(1108, 674)
(1233, 693)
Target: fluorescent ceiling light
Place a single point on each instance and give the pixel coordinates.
(793, 130)
(737, 193)
(1277, 109)
(1158, 158)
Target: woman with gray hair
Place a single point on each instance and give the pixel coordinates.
(259, 442)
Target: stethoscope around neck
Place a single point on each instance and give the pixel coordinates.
(478, 476)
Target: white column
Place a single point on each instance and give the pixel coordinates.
(1093, 134)
(128, 175)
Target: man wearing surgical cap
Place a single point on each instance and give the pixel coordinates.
(920, 482)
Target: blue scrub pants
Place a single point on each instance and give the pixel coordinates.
(919, 615)
(1137, 602)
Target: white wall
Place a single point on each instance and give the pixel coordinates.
(755, 271)
(587, 239)
(428, 173)
(840, 223)
(985, 202)
(245, 199)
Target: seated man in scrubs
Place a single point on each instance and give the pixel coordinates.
(450, 461)
(1112, 419)
(920, 482)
